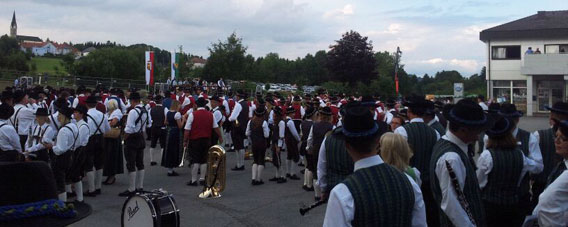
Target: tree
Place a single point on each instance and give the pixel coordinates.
(351, 59)
(226, 59)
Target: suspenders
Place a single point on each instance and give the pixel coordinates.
(75, 136)
(16, 122)
(54, 122)
(98, 131)
(142, 111)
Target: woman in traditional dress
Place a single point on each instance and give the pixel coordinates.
(173, 153)
(395, 151)
(114, 163)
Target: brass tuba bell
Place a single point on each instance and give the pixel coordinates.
(216, 173)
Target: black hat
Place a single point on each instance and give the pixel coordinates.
(261, 102)
(297, 99)
(81, 109)
(501, 128)
(325, 111)
(19, 95)
(333, 99)
(7, 94)
(241, 93)
(415, 101)
(201, 102)
(66, 111)
(358, 122)
(467, 113)
(269, 100)
(134, 96)
(430, 107)
(390, 103)
(41, 112)
(493, 108)
(260, 111)
(91, 100)
(6, 111)
(29, 189)
(310, 111)
(439, 104)
(215, 98)
(290, 110)
(315, 101)
(158, 98)
(558, 107)
(509, 110)
(368, 101)
(277, 110)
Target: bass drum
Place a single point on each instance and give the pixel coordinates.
(152, 209)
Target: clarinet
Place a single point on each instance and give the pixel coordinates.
(305, 209)
(461, 196)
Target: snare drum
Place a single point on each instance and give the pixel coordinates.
(152, 209)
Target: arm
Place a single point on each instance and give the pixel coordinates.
(310, 142)
(106, 125)
(281, 131)
(293, 130)
(248, 131)
(226, 105)
(418, 210)
(484, 167)
(450, 204)
(302, 111)
(236, 111)
(265, 129)
(552, 206)
(187, 128)
(218, 131)
(178, 119)
(401, 131)
(535, 163)
(14, 139)
(322, 169)
(340, 209)
(62, 144)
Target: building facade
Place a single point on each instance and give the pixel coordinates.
(528, 61)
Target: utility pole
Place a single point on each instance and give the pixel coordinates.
(396, 61)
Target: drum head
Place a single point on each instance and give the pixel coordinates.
(138, 211)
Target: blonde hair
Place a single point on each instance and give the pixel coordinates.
(395, 150)
(112, 105)
(174, 105)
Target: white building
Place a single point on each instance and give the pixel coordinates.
(530, 81)
(40, 49)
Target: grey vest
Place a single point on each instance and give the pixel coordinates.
(421, 139)
(339, 163)
(502, 182)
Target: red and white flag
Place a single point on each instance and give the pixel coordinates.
(149, 67)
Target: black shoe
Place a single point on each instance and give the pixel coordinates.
(71, 194)
(281, 180)
(317, 198)
(90, 194)
(202, 182)
(305, 187)
(301, 164)
(259, 182)
(194, 183)
(139, 190)
(236, 168)
(303, 171)
(273, 179)
(242, 168)
(254, 182)
(288, 175)
(98, 191)
(173, 174)
(153, 163)
(294, 177)
(309, 189)
(126, 193)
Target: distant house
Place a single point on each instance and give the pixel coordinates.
(198, 62)
(534, 80)
(88, 50)
(43, 48)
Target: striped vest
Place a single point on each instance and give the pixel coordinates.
(524, 137)
(470, 189)
(339, 163)
(382, 196)
(439, 128)
(502, 182)
(421, 139)
(549, 156)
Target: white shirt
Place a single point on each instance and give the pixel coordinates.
(485, 165)
(66, 139)
(341, 206)
(217, 115)
(265, 129)
(388, 117)
(450, 204)
(121, 104)
(34, 136)
(26, 117)
(94, 118)
(535, 163)
(292, 127)
(236, 111)
(483, 106)
(48, 137)
(190, 120)
(552, 208)
(116, 114)
(9, 139)
(322, 167)
(76, 100)
(402, 131)
(135, 127)
(252, 108)
(281, 133)
(227, 109)
(84, 133)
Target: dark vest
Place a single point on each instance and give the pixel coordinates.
(158, 116)
(524, 137)
(275, 132)
(257, 136)
(471, 187)
(243, 115)
(502, 182)
(421, 139)
(439, 128)
(549, 156)
(306, 126)
(382, 196)
(339, 163)
(320, 129)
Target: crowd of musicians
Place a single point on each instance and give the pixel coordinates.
(411, 162)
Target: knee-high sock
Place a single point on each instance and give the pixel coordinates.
(62, 196)
(203, 170)
(317, 188)
(305, 161)
(131, 181)
(287, 166)
(293, 167)
(79, 190)
(139, 179)
(242, 156)
(254, 166)
(68, 188)
(277, 173)
(309, 177)
(91, 181)
(238, 157)
(152, 154)
(259, 169)
(306, 172)
(194, 169)
(98, 178)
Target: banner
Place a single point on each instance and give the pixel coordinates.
(175, 66)
(149, 67)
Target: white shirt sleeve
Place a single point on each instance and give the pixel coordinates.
(310, 142)
(227, 109)
(131, 122)
(450, 204)
(322, 167)
(401, 131)
(265, 129)
(177, 116)
(248, 131)
(75, 102)
(484, 167)
(281, 132)
(189, 122)
(292, 128)
(236, 111)
(84, 134)
(340, 209)
(105, 127)
(534, 159)
(302, 111)
(63, 142)
(419, 209)
(552, 208)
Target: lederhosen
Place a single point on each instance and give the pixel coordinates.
(43, 154)
(238, 132)
(95, 152)
(319, 130)
(61, 163)
(11, 155)
(276, 161)
(134, 145)
(16, 124)
(158, 133)
(291, 144)
(305, 126)
(79, 158)
(258, 142)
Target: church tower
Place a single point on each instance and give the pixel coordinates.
(13, 26)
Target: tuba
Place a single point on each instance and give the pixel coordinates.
(216, 173)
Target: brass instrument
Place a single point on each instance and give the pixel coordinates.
(237, 123)
(216, 173)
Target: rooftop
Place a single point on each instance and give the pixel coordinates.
(544, 24)
(24, 38)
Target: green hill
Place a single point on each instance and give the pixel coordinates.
(48, 65)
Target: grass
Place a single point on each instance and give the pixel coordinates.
(47, 65)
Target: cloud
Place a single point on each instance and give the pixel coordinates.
(341, 13)
(467, 65)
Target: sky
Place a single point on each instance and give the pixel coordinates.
(433, 35)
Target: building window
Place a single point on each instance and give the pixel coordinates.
(556, 49)
(506, 52)
(511, 91)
